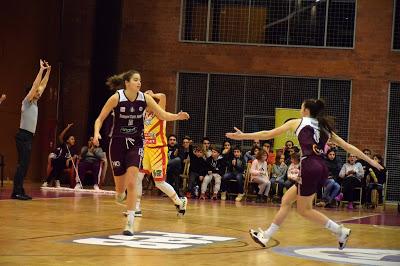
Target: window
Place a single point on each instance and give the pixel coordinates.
(249, 102)
(314, 23)
(396, 25)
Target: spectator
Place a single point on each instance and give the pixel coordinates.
(174, 166)
(3, 98)
(206, 147)
(271, 155)
(294, 168)
(279, 173)
(351, 174)
(332, 188)
(61, 158)
(197, 171)
(186, 150)
(216, 169)
(375, 181)
(288, 145)
(250, 156)
(235, 171)
(91, 159)
(259, 175)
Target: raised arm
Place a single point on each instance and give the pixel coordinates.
(162, 114)
(36, 82)
(354, 150)
(266, 134)
(111, 103)
(62, 134)
(43, 82)
(162, 99)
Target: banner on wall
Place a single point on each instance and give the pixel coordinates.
(282, 115)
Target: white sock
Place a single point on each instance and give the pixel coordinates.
(138, 204)
(169, 191)
(332, 226)
(131, 216)
(176, 200)
(271, 230)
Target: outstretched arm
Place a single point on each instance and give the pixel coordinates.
(266, 134)
(354, 150)
(111, 103)
(3, 98)
(62, 134)
(162, 114)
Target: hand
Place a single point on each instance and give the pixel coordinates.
(233, 162)
(70, 125)
(42, 66)
(3, 97)
(375, 164)
(183, 116)
(209, 172)
(149, 92)
(236, 135)
(46, 64)
(96, 138)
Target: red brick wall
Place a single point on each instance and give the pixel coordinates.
(150, 43)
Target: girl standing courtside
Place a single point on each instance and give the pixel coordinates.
(313, 131)
(126, 144)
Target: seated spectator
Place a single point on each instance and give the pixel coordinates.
(206, 147)
(331, 187)
(216, 169)
(375, 181)
(235, 171)
(366, 167)
(351, 174)
(61, 158)
(294, 168)
(286, 150)
(250, 156)
(259, 175)
(227, 152)
(91, 159)
(279, 173)
(271, 155)
(197, 171)
(174, 166)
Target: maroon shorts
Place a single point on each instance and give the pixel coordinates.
(125, 153)
(313, 175)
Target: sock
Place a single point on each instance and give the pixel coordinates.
(131, 216)
(169, 191)
(138, 204)
(271, 230)
(176, 200)
(332, 226)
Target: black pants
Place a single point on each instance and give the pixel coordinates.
(23, 140)
(349, 184)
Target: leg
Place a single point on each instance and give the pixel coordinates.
(139, 191)
(217, 184)
(267, 188)
(24, 146)
(204, 184)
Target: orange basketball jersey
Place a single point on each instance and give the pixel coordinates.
(154, 131)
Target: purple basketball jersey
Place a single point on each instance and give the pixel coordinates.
(128, 117)
(312, 142)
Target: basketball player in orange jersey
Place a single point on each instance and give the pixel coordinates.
(155, 158)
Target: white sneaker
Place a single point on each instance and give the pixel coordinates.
(223, 195)
(182, 208)
(138, 213)
(57, 185)
(119, 198)
(343, 236)
(45, 184)
(96, 187)
(128, 231)
(258, 237)
(78, 185)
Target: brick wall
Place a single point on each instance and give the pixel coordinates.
(150, 42)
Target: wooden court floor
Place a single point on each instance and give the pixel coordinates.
(82, 229)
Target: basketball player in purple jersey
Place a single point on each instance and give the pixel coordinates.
(126, 144)
(313, 131)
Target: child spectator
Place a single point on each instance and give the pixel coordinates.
(235, 171)
(259, 175)
(216, 169)
(279, 172)
(197, 171)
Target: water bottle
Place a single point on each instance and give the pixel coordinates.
(196, 191)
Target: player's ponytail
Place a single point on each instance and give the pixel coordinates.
(118, 81)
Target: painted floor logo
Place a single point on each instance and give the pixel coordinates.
(361, 256)
(154, 240)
